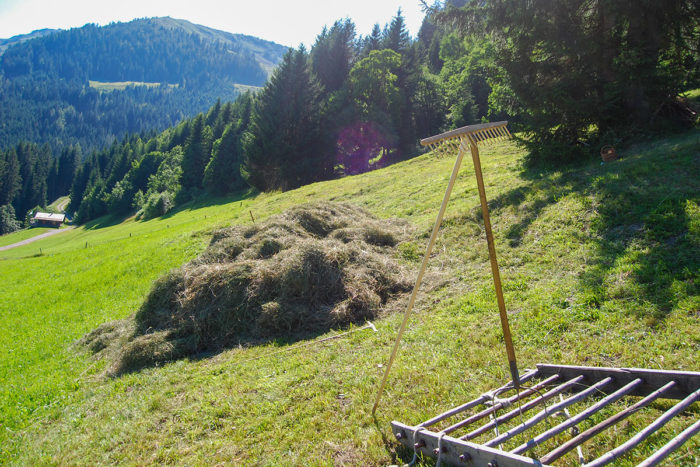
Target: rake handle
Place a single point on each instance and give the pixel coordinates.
(510, 350)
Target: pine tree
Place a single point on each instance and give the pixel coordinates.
(197, 153)
(284, 147)
(223, 173)
(373, 41)
(396, 37)
(11, 181)
(333, 55)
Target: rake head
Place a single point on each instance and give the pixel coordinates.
(450, 141)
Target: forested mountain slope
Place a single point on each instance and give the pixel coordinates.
(51, 84)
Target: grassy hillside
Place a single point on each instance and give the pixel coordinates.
(600, 264)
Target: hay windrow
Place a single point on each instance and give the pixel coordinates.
(310, 269)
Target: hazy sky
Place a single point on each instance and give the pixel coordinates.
(286, 22)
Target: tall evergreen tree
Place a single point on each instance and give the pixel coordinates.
(373, 41)
(285, 147)
(223, 173)
(333, 55)
(396, 37)
(197, 153)
(11, 180)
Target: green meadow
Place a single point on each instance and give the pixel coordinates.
(600, 266)
(105, 86)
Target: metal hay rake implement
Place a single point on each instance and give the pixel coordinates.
(452, 435)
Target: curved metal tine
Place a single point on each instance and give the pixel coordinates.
(539, 439)
(520, 410)
(546, 412)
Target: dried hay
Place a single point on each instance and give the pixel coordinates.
(312, 268)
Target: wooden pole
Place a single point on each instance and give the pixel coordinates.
(646, 432)
(607, 423)
(421, 272)
(671, 446)
(510, 351)
(579, 417)
(578, 397)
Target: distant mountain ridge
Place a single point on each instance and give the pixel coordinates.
(268, 53)
(45, 78)
(5, 43)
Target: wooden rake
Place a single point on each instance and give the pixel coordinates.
(448, 143)
(452, 436)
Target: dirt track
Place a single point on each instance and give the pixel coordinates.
(38, 237)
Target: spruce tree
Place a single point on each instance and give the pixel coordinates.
(11, 181)
(197, 153)
(223, 173)
(284, 147)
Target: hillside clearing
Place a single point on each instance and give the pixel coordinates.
(600, 265)
(105, 86)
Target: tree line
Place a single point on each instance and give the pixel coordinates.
(354, 103)
(47, 96)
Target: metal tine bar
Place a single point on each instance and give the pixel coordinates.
(479, 400)
(576, 419)
(505, 403)
(533, 403)
(546, 412)
(646, 432)
(594, 430)
(668, 448)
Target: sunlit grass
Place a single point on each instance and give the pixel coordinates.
(600, 266)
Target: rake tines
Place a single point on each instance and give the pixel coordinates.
(590, 389)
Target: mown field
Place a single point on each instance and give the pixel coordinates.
(106, 86)
(600, 265)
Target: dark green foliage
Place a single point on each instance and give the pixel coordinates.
(10, 179)
(8, 220)
(575, 71)
(47, 97)
(197, 153)
(333, 55)
(223, 173)
(284, 147)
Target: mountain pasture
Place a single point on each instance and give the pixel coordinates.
(600, 266)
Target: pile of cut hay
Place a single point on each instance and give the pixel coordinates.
(312, 268)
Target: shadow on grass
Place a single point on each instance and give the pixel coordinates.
(210, 201)
(112, 220)
(645, 224)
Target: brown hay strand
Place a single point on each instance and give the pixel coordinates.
(312, 268)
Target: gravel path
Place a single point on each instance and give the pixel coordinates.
(38, 237)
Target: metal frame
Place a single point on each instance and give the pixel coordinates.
(581, 386)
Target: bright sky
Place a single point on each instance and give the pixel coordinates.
(286, 22)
